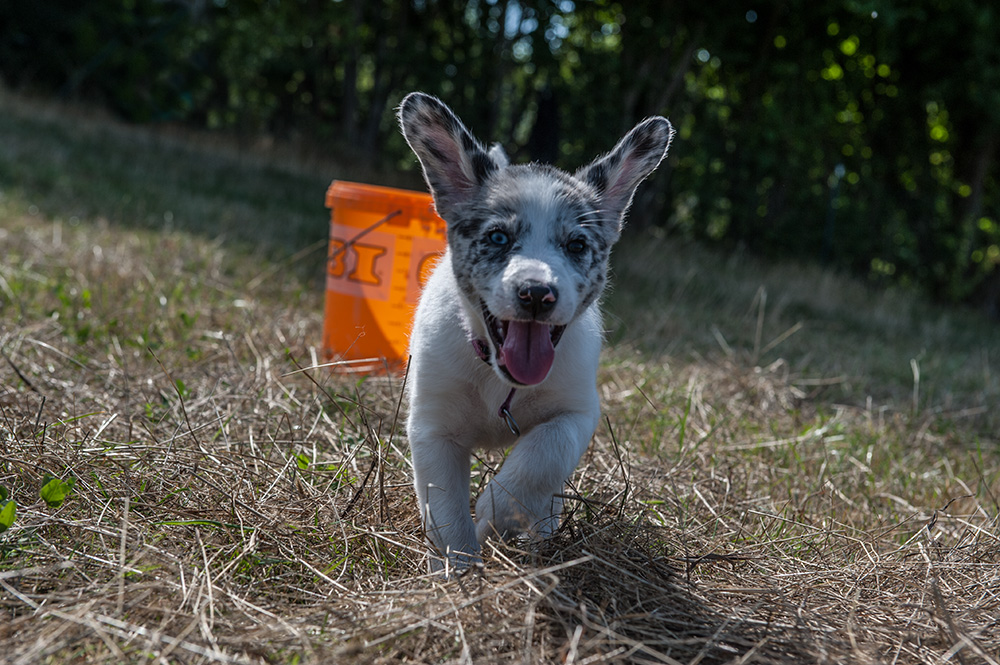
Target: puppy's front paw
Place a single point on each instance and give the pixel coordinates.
(452, 563)
(453, 543)
(505, 514)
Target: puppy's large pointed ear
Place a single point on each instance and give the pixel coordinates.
(616, 175)
(455, 164)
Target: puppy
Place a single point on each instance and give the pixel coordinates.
(507, 334)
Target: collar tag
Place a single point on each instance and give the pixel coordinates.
(506, 415)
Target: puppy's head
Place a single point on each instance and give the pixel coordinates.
(529, 243)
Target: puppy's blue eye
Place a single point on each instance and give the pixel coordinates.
(575, 246)
(498, 237)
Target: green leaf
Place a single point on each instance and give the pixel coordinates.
(7, 511)
(55, 491)
(4, 494)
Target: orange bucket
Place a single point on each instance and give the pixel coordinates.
(383, 244)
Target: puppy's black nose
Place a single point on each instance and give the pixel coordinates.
(537, 298)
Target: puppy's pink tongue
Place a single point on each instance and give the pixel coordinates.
(528, 351)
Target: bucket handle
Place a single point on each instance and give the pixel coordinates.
(349, 243)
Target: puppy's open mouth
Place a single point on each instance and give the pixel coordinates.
(525, 349)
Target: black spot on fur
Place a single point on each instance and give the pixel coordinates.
(465, 227)
(645, 142)
(468, 143)
(482, 166)
(598, 177)
(435, 151)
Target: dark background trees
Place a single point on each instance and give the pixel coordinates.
(861, 133)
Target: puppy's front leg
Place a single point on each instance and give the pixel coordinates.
(521, 497)
(441, 477)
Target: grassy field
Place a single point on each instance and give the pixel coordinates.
(793, 467)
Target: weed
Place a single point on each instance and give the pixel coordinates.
(54, 491)
(8, 509)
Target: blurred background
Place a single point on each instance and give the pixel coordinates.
(860, 134)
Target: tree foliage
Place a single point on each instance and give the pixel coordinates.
(858, 132)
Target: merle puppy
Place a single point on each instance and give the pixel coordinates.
(506, 339)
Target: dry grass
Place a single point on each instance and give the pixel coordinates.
(233, 505)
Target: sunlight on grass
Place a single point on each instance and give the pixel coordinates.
(771, 481)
